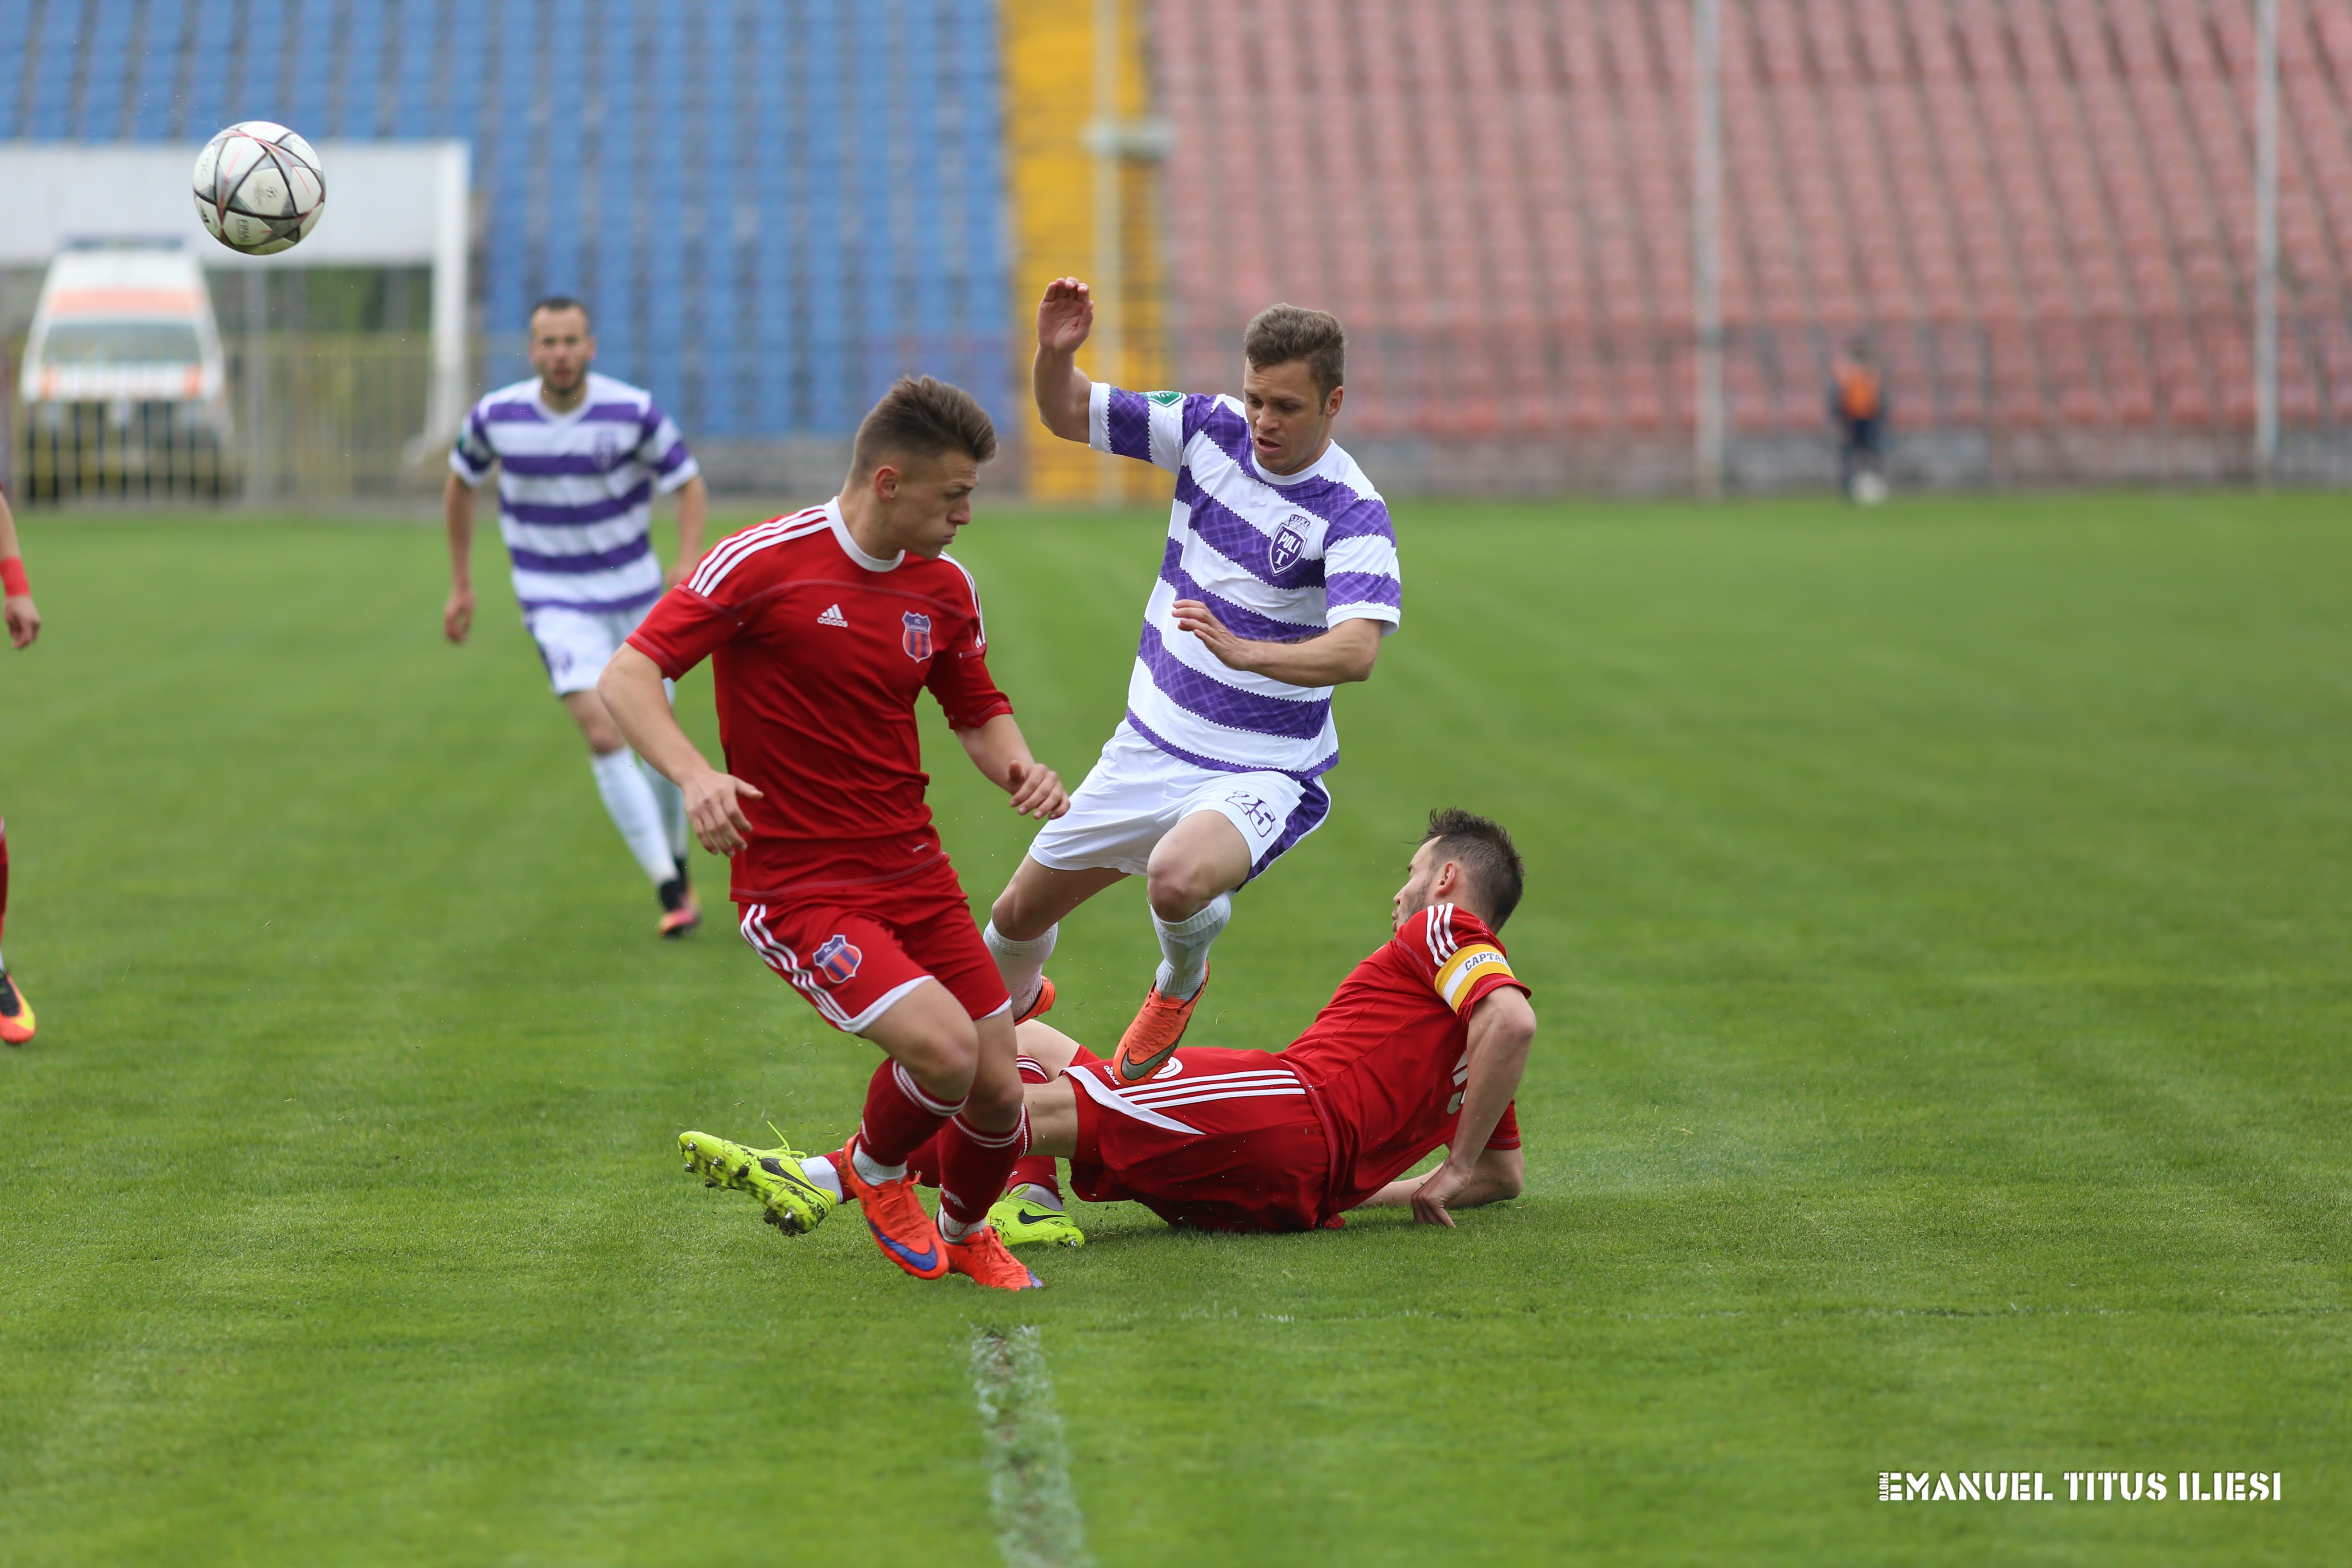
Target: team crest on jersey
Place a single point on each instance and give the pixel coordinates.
(1167, 399)
(607, 448)
(837, 960)
(1289, 542)
(918, 638)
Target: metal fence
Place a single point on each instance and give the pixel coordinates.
(308, 417)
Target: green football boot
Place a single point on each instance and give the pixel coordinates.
(795, 1205)
(1020, 1222)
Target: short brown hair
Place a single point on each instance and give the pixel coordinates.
(920, 418)
(1280, 334)
(561, 302)
(1485, 853)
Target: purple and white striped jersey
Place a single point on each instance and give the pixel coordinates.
(575, 491)
(1278, 558)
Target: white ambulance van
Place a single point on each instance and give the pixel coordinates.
(123, 383)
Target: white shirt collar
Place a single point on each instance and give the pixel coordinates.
(849, 545)
(1331, 453)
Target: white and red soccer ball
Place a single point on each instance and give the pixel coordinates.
(260, 188)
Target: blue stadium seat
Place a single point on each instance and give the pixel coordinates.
(55, 58)
(713, 400)
(671, 176)
(303, 102)
(421, 64)
(773, 208)
(155, 85)
(256, 64)
(557, 235)
(356, 106)
(205, 110)
(826, 402)
(620, 193)
(105, 72)
(980, 284)
(768, 296)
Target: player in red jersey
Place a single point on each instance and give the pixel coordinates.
(823, 628)
(23, 622)
(1422, 1045)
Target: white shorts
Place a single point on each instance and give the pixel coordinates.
(1137, 792)
(577, 643)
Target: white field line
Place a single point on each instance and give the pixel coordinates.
(1037, 1521)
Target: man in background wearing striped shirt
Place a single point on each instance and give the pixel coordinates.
(580, 458)
(1277, 582)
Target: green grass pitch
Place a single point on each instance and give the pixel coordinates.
(1937, 919)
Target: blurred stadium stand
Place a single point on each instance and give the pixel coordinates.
(773, 208)
(2039, 211)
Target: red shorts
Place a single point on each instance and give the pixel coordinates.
(1220, 1140)
(853, 952)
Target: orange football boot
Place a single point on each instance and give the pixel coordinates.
(1044, 1003)
(677, 922)
(16, 1012)
(983, 1257)
(893, 1213)
(1152, 1038)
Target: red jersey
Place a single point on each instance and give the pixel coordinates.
(1387, 1057)
(818, 651)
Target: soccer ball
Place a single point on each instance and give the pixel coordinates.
(260, 188)
(1869, 489)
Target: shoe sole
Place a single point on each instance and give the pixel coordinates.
(1035, 1283)
(718, 1169)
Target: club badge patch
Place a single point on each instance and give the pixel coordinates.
(918, 638)
(1289, 543)
(837, 960)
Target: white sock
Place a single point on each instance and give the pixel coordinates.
(1038, 1197)
(631, 805)
(872, 1173)
(953, 1228)
(670, 801)
(818, 1168)
(1184, 946)
(1020, 963)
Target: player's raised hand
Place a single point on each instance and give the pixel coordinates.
(714, 808)
(1430, 1198)
(457, 615)
(1064, 316)
(24, 619)
(1036, 791)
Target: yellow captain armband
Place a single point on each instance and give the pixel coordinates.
(1458, 974)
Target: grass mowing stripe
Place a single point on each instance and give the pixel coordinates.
(1037, 1520)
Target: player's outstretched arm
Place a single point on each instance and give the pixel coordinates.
(1497, 1175)
(1502, 1027)
(693, 515)
(16, 606)
(631, 688)
(1334, 657)
(457, 516)
(1002, 754)
(1064, 316)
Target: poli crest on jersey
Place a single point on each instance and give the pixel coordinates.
(260, 188)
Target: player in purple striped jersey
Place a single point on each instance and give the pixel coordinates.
(1278, 580)
(580, 458)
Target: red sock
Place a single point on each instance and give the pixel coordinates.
(4, 874)
(898, 1115)
(923, 1164)
(974, 1164)
(1035, 1169)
